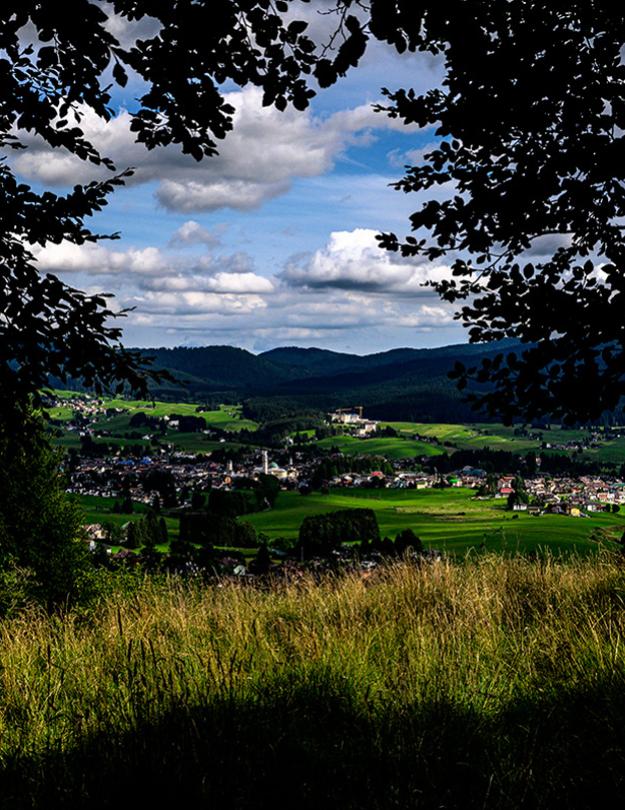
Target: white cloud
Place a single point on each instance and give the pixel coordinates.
(151, 268)
(192, 233)
(426, 316)
(352, 260)
(197, 302)
(347, 288)
(239, 283)
(258, 160)
(94, 259)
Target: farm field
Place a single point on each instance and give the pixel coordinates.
(468, 437)
(501, 437)
(392, 448)
(612, 451)
(450, 520)
(226, 417)
(189, 442)
(99, 510)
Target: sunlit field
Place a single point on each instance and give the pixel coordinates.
(450, 520)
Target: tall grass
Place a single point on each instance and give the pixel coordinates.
(491, 683)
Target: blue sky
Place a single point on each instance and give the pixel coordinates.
(272, 242)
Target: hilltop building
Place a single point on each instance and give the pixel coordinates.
(353, 418)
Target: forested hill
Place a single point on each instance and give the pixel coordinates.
(402, 384)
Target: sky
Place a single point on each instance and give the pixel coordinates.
(272, 242)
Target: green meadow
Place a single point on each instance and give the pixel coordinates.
(501, 437)
(468, 437)
(229, 418)
(392, 448)
(226, 417)
(451, 520)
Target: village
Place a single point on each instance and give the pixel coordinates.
(160, 466)
(117, 477)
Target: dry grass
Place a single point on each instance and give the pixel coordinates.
(491, 683)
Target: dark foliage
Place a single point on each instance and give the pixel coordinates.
(39, 526)
(338, 464)
(231, 503)
(49, 328)
(503, 461)
(162, 482)
(319, 535)
(407, 540)
(530, 117)
(211, 529)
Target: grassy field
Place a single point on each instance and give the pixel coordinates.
(99, 510)
(497, 437)
(468, 437)
(611, 451)
(226, 417)
(492, 684)
(500, 437)
(450, 520)
(392, 448)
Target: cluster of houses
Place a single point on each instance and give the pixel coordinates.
(575, 496)
(562, 494)
(115, 476)
(565, 495)
(83, 405)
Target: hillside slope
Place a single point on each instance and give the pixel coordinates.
(401, 384)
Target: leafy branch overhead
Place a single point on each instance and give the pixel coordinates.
(53, 68)
(530, 115)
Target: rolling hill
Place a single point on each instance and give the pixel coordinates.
(401, 384)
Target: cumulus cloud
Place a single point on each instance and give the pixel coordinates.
(151, 268)
(347, 288)
(266, 151)
(94, 259)
(192, 233)
(221, 282)
(352, 260)
(198, 302)
(334, 319)
(426, 316)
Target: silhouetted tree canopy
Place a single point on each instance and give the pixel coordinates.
(530, 114)
(524, 193)
(55, 64)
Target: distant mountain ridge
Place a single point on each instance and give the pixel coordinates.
(400, 384)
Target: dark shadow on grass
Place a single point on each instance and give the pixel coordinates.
(315, 751)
